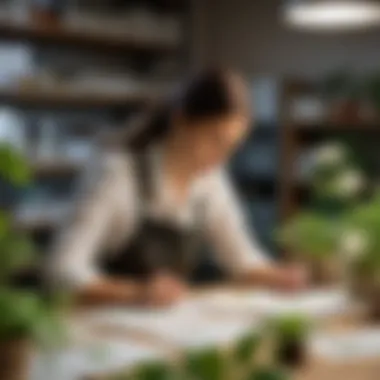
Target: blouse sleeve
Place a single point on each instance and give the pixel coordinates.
(73, 261)
(236, 248)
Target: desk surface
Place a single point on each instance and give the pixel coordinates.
(315, 369)
(350, 369)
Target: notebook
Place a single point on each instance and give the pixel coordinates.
(359, 344)
(315, 304)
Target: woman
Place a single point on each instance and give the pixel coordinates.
(135, 234)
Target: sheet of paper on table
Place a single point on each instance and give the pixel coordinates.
(359, 344)
(83, 359)
(316, 304)
(184, 325)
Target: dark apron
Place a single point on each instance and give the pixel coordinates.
(156, 245)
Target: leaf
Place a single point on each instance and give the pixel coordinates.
(267, 374)
(154, 371)
(4, 224)
(19, 313)
(207, 364)
(16, 253)
(311, 234)
(13, 166)
(246, 348)
(290, 327)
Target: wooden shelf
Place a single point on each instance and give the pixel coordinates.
(327, 127)
(60, 35)
(55, 167)
(36, 225)
(73, 99)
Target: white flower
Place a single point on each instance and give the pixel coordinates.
(353, 244)
(329, 154)
(349, 183)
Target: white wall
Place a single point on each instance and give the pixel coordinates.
(250, 36)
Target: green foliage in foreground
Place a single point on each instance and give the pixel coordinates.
(236, 362)
(23, 314)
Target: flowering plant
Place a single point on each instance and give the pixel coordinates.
(332, 226)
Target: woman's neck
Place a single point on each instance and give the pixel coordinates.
(177, 171)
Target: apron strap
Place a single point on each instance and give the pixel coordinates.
(145, 180)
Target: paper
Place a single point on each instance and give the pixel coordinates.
(96, 358)
(183, 326)
(316, 304)
(360, 344)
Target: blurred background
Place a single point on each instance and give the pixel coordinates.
(307, 175)
(70, 69)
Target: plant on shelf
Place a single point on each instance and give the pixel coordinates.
(339, 233)
(344, 94)
(290, 333)
(314, 234)
(373, 93)
(26, 316)
(361, 245)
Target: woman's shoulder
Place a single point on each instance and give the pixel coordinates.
(212, 181)
(108, 165)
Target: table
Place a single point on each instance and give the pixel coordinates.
(355, 369)
(316, 368)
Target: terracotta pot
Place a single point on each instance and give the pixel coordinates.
(345, 112)
(325, 272)
(292, 354)
(14, 360)
(367, 293)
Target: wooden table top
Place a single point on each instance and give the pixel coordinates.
(317, 368)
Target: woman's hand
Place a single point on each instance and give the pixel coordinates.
(279, 277)
(291, 278)
(163, 289)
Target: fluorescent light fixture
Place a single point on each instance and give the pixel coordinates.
(332, 15)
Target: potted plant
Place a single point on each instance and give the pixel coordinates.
(314, 234)
(290, 339)
(211, 363)
(360, 246)
(373, 95)
(268, 373)
(344, 93)
(26, 316)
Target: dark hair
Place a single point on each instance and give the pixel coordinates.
(208, 95)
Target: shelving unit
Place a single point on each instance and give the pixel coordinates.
(46, 98)
(57, 167)
(144, 49)
(60, 35)
(296, 135)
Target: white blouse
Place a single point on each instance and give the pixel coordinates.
(107, 213)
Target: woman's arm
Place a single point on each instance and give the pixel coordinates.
(75, 254)
(236, 247)
(108, 188)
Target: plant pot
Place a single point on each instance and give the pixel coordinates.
(325, 272)
(291, 353)
(345, 112)
(14, 359)
(367, 292)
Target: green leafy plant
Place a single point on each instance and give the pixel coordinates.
(290, 328)
(311, 234)
(206, 364)
(24, 314)
(341, 84)
(336, 186)
(246, 348)
(373, 89)
(155, 371)
(268, 373)
(290, 333)
(212, 363)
